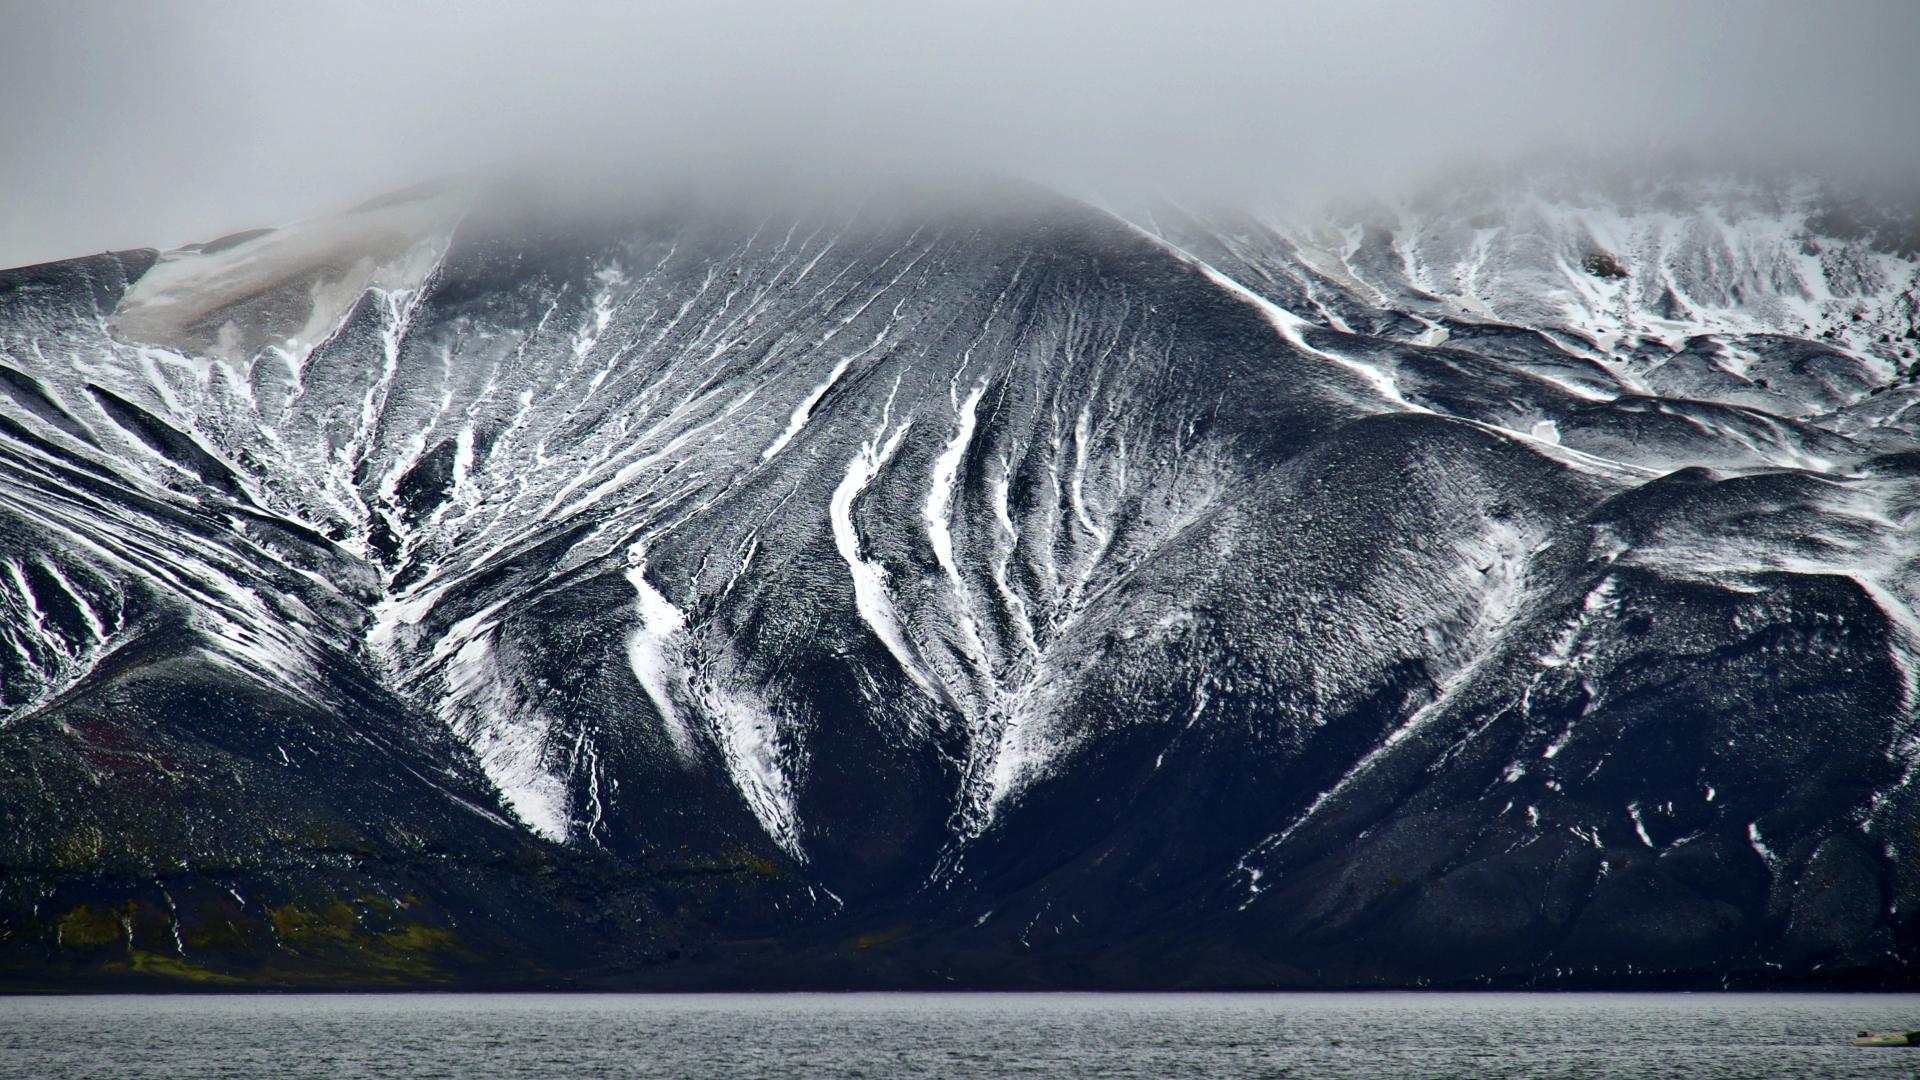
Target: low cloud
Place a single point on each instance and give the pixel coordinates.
(129, 125)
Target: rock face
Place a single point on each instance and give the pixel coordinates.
(1515, 587)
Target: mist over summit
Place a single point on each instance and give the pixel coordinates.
(205, 118)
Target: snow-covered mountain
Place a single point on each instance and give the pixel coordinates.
(1515, 584)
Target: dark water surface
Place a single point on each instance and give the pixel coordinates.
(955, 1035)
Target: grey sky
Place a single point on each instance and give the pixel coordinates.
(129, 124)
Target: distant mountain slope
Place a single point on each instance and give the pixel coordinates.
(1515, 586)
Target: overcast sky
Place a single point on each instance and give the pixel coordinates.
(157, 123)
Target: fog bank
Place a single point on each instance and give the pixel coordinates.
(132, 125)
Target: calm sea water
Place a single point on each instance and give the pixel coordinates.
(955, 1035)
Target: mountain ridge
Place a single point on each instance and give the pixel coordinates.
(1020, 593)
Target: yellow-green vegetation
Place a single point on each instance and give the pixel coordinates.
(319, 944)
(299, 927)
(335, 933)
(85, 927)
(213, 933)
(167, 966)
